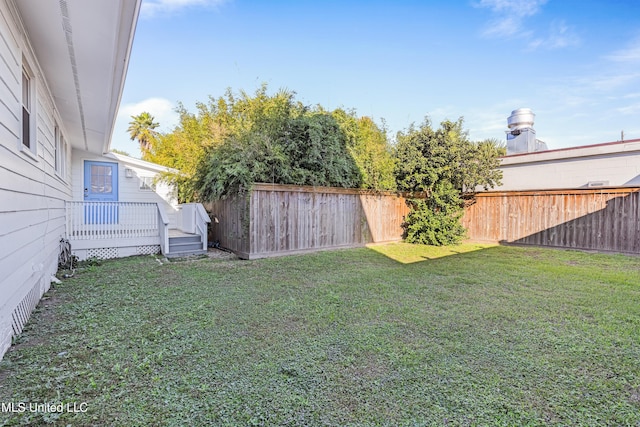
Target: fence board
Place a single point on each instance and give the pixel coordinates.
(228, 230)
(602, 219)
(280, 219)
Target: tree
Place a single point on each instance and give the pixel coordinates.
(482, 170)
(184, 149)
(237, 139)
(274, 139)
(445, 168)
(370, 148)
(141, 128)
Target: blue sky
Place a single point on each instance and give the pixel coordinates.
(575, 63)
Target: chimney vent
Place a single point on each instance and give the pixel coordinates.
(521, 137)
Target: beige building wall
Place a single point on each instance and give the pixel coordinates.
(603, 165)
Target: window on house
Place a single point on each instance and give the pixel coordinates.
(147, 184)
(63, 157)
(60, 153)
(28, 137)
(56, 148)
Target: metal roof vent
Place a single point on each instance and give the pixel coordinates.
(520, 119)
(521, 137)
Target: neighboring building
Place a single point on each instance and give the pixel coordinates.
(530, 165)
(61, 79)
(613, 164)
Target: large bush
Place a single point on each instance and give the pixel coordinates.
(440, 169)
(276, 140)
(435, 220)
(236, 140)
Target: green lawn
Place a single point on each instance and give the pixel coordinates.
(394, 335)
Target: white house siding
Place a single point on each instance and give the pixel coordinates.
(32, 194)
(606, 165)
(128, 188)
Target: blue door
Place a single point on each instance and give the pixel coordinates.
(101, 187)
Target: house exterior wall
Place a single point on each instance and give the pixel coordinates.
(128, 187)
(604, 165)
(33, 185)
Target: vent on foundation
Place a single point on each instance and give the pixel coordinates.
(148, 250)
(102, 253)
(22, 312)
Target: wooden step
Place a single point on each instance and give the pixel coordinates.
(184, 244)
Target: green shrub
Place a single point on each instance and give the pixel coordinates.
(436, 219)
(445, 166)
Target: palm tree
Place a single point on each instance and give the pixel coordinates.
(142, 128)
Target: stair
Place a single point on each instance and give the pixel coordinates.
(184, 244)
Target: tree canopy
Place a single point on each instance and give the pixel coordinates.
(237, 139)
(445, 166)
(370, 149)
(142, 128)
(428, 157)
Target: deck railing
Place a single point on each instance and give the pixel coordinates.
(112, 220)
(193, 218)
(202, 221)
(163, 230)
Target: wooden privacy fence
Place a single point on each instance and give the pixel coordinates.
(602, 219)
(284, 219)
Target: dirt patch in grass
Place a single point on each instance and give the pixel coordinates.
(371, 369)
(214, 253)
(46, 311)
(634, 395)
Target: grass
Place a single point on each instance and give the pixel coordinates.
(362, 337)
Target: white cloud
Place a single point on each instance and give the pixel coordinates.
(509, 16)
(505, 26)
(439, 114)
(152, 8)
(560, 36)
(491, 120)
(610, 82)
(630, 54)
(491, 128)
(162, 110)
(511, 19)
(517, 7)
(629, 109)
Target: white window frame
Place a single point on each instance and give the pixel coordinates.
(56, 148)
(28, 112)
(60, 153)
